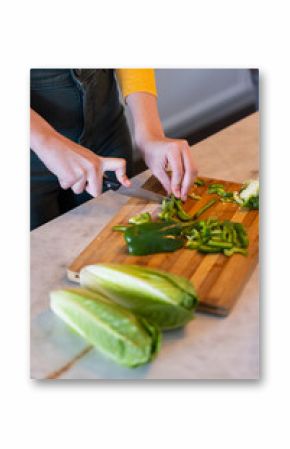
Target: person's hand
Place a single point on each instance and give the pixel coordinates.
(161, 154)
(80, 169)
(75, 166)
(164, 154)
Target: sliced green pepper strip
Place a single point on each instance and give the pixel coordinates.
(241, 235)
(219, 244)
(227, 230)
(212, 221)
(199, 182)
(215, 188)
(221, 192)
(181, 212)
(194, 234)
(216, 232)
(168, 208)
(235, 236)
(120, 228)
(192, 244)
(228, 195)
(193, 196)
(209, 249)
(235, 249)
(204, 208)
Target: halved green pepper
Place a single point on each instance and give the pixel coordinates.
(151, 238)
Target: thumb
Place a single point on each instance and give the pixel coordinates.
(118, 165)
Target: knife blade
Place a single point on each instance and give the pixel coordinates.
(136, 192)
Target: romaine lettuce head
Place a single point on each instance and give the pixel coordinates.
(165, 299)
(115, 331)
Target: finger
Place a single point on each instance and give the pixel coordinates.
(162, 176)
(80, 185)
(118, 165)
(67, 183)
(94, 182)
(176, 165)
(190, 172)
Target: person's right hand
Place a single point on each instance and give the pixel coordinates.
(80, 169)
(75, 166)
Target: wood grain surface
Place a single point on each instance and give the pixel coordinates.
(218, 279)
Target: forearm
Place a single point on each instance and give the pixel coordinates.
(43, 136)
(146, 120)
(159, 152)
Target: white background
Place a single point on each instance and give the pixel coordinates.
(145, 34)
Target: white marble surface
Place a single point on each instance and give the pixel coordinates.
(207, 348)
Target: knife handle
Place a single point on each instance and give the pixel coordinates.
(111, 185)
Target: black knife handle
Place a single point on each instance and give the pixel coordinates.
(111, 185)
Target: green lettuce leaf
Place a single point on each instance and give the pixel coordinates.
(167, 300)
(113, 330)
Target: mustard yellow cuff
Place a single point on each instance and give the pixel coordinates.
(136, 80)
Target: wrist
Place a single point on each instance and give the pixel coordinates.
(51, 141)
(144, 136)
(146, 121)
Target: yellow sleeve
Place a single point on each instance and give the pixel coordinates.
(136, 80)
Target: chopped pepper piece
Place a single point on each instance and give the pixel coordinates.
(241, 235)
(192, 244)
(204, 208)
(181, 212)
(171, 208)
(209, 249)
(120, 228)
(235, 249)
(199, 182)
(193, 196)
(219, 244)
(144, 217)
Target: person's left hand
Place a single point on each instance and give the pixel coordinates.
(164, 154)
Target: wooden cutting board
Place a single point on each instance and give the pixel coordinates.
(218, 279)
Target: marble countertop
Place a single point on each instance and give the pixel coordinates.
(207, 348)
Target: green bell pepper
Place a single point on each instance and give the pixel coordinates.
(151, 238)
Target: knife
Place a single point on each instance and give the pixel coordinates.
(137, 192)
